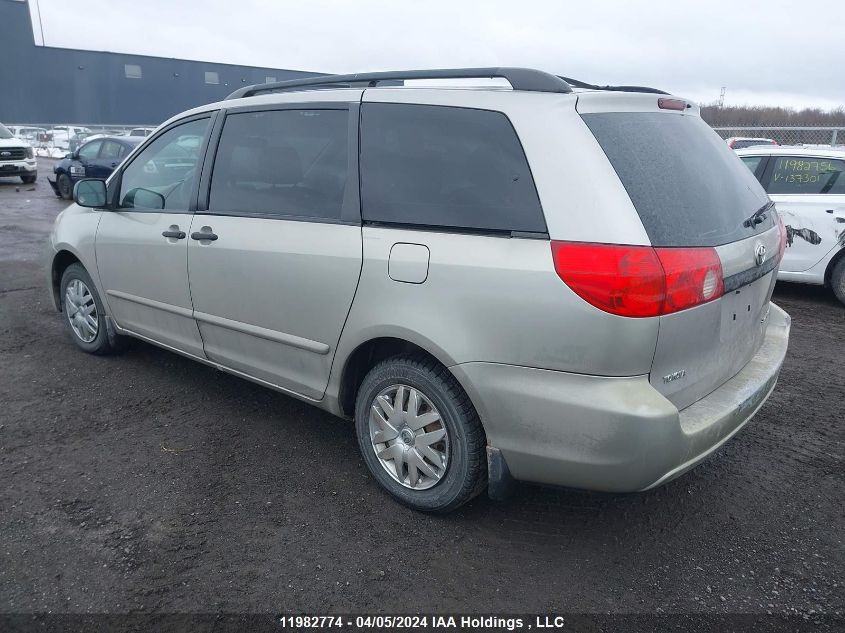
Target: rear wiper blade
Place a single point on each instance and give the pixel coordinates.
(758, 216)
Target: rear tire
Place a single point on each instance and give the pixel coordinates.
(837, 280)
(84, 315)
(434, 434)
(28, 180)
(65, 186)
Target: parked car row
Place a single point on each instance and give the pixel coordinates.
(69, 137)
(557, 284)
(90, 155)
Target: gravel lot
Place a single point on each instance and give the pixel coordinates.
(150, 482)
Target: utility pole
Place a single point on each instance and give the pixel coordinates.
(36, 15)
(722, 97)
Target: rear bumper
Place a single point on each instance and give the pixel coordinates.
(613, 434)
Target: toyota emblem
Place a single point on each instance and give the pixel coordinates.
(759, 254)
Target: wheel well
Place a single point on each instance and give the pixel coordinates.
(363, 359)
(832, 264)
(61, 261)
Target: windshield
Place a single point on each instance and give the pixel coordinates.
(688, 187)
(5, 133)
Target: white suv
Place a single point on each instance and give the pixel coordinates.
(17, 158)
(808, 185)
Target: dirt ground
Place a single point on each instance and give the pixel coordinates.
(149, 482)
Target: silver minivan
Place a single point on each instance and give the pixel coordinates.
(549, 281)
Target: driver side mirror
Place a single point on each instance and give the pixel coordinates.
(140, 198)
(90, 192)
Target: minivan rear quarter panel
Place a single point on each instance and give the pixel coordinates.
(492, 299)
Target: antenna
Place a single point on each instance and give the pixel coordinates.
(722, 97)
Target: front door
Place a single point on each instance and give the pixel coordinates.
(142, 245)
(87, 156)
(810, 197)
(274, 260)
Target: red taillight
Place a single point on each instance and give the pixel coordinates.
(693, 277)
(671, 104)
(639, 281)
(782, 244)
(624, 280)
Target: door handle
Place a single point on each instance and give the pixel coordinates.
(179, 235)
(203, 236)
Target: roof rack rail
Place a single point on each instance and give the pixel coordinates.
(582, 84)
(519, 78)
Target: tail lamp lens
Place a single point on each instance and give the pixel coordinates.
(639, 281)
(693, 277)
(782, 231)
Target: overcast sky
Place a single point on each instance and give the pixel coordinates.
(770, 52)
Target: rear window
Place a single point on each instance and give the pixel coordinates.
(807, 175)
(688, 187)
(445, 167)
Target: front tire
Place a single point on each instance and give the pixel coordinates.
(28, 180)
(837, 280)
(84, 315)
(65, 186)
(420, 435)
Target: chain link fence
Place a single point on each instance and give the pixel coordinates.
(789, 135)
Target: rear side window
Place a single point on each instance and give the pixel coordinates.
(282, 163)
(688, 187)
(807, 175)
(752, 162)
(445, 167)
(111, 150)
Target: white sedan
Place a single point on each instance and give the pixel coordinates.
(808, 186)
